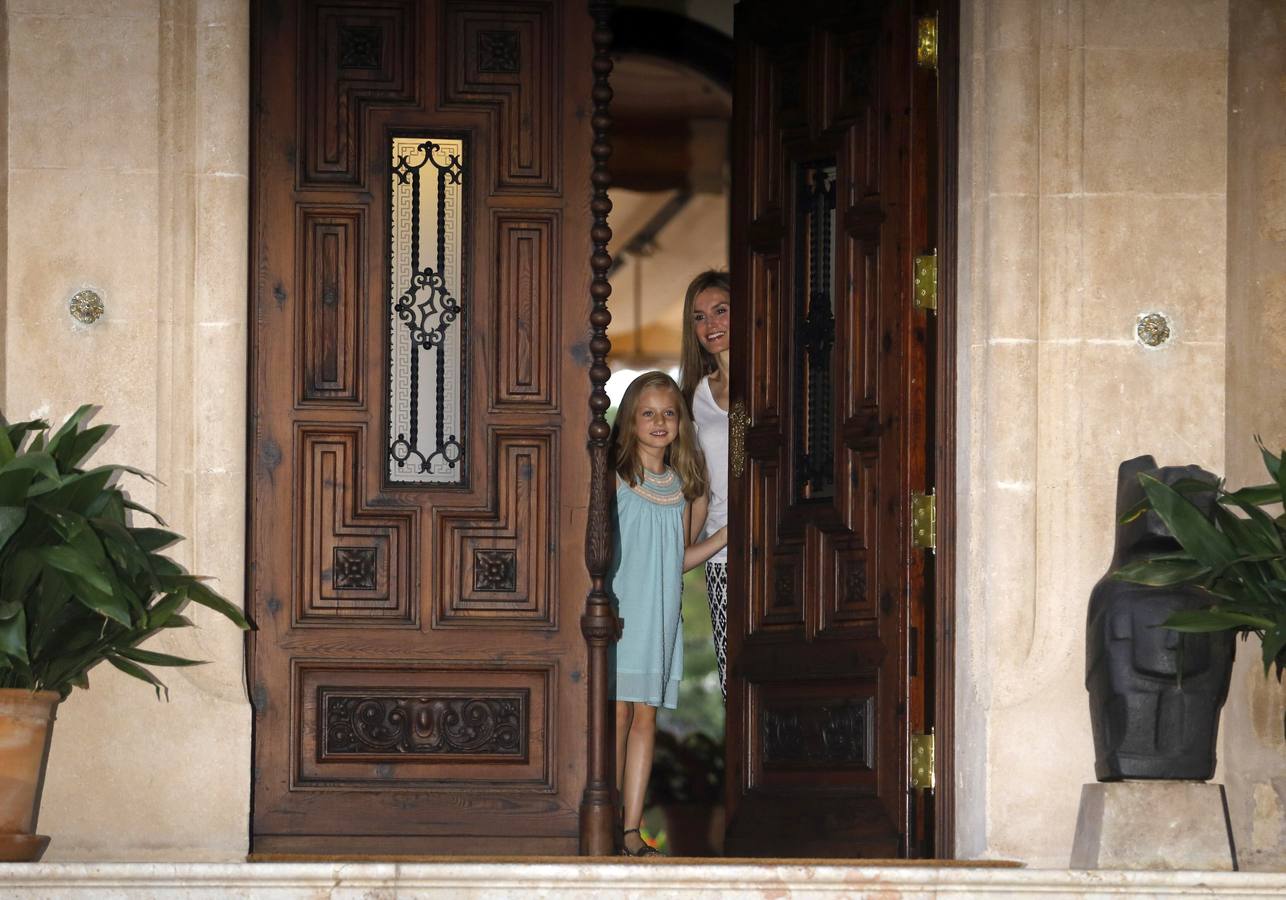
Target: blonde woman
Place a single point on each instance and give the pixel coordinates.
(703, 378)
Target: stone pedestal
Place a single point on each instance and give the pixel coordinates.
(1153, 825)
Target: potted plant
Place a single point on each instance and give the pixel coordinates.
(687, 784)
(1236, 555)
(80, 583)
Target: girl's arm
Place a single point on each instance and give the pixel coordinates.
(699, 552)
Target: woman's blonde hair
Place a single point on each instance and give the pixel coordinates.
(683, 455)
(695, 361)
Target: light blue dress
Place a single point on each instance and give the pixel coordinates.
(647, 580)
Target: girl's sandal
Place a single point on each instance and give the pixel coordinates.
(646, 850)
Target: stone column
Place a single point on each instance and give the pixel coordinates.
(127, 171)
(1254, 744)
(1094, 135)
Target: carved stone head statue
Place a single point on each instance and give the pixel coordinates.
(1155, 693)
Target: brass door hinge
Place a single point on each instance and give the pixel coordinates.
(924, 292)
(924, 521)
(922, 762)
(926, 42)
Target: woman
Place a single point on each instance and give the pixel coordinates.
(703, 378)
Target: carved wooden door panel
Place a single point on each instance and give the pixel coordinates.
(826, 624)
(420, 234)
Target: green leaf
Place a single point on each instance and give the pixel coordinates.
(67, 431)
(19, 574)
(153, 539)
(1188, 524)
(11, 519)
(13, 637)
(1274, 641)
(1183, 486)
(1272, 463)
(73, 562)
(138, 508)
(1161, 573)
(1254, 495)
(18, 431)
(14, 484)
(148, 657)
(201, 594)
(1204, 620)
(79, 447)
(130, 668)
(40, 463)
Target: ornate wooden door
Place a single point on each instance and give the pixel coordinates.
(420, 240)
(832, 193)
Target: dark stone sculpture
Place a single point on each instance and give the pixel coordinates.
(1155, 694)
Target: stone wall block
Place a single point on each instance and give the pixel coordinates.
(221, 254)
(1156, 121)
(1029, 742)
(1012, 119)
(1148, 253)
(223, 99)
(1157, 24)
(1011, 24)
(69, 110)
(1013, 263)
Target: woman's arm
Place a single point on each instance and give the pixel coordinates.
(698, 509)
(699, 552)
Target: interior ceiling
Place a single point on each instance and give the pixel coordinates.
(647, 88)
(670, 140)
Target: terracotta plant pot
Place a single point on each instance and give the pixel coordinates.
(26, 726)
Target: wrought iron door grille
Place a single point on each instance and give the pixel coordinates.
(426, 313)
(814, 326)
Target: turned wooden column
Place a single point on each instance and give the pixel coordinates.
(599, 623)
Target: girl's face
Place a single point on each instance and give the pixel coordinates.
(710, 319)
(656, 417)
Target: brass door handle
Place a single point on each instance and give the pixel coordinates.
(738, 421)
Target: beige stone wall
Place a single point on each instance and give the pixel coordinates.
(1093, 190)
(127, 172)
(1254, 746)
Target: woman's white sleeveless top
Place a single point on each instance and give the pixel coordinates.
(712, 432)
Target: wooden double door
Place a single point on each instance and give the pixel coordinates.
(421, 242)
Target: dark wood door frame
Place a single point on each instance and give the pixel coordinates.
(943, 421)
(599, 624)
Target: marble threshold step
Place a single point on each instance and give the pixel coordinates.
(646, 880)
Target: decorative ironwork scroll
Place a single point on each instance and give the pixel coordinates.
(427, 311)
(814, 328)
(380, 724)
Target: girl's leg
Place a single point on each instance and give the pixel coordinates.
(717, 590)
(638, 767)
(624, 716)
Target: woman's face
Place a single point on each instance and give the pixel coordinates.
(710, 319)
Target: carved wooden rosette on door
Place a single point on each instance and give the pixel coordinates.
(830, 369)
(418, 219)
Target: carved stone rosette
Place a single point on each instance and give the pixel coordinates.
(599, 623)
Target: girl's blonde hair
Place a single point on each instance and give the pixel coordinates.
(695, 361)
(683, 455)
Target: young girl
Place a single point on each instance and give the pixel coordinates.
(660, 504)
